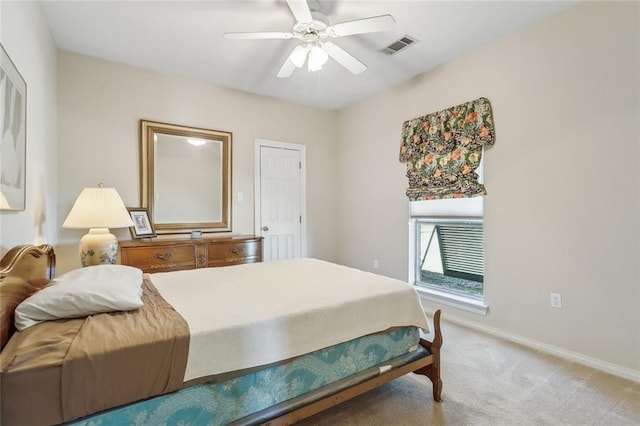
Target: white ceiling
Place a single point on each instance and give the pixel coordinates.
(186, 39)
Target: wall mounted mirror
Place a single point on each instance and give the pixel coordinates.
(185, 178)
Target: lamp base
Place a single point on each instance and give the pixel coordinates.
(98, 247)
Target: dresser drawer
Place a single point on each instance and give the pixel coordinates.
(233, 253)
(163, 255)
(160, 258)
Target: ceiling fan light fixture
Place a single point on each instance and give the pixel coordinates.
(317, 58)
(312, 29)
(299, 56)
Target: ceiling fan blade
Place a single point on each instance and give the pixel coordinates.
(343, 58)
(360, 26)
(259, 35)
(300, 10)
(287, 69)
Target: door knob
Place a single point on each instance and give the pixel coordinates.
(265, 228)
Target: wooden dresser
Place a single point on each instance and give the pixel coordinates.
(163, 254)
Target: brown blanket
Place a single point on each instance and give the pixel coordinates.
(62, 370)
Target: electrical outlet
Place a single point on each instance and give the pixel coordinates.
(376, 265)
(556, 300)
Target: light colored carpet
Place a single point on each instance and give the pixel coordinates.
(490, 381)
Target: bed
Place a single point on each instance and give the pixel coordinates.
(333, 333)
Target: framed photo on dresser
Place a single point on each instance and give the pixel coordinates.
(142, 226)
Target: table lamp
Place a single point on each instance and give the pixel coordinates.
(4, 204)
(98, 209)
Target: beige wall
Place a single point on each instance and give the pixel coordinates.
(101, 103)
(563, 206)
(26, 38)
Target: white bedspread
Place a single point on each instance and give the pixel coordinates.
(249, 315)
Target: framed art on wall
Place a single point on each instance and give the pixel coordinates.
(142, 226)
(13, 104)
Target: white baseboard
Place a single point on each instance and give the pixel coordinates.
(617, 370)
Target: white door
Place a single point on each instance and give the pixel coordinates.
(280, 211)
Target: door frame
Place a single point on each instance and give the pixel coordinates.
(259, 143)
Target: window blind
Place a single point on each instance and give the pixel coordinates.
(461, 249)
(443, 150)
(451, 207)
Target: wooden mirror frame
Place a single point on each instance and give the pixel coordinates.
(148, 131)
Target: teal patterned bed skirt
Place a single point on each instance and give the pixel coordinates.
(221, 403)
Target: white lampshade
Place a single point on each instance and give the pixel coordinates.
(4, 204)
(98, 209)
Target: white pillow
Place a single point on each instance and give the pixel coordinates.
(83, 292)
(103, 272)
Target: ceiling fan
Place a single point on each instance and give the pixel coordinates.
(312, 29)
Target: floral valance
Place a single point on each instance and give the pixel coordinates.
(443, 149)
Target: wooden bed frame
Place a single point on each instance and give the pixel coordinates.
(428, 366)
(33, 265)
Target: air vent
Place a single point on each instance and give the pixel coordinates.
(399, 45)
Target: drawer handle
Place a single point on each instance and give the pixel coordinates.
(202, 260)
(236, 250)
(165, 256)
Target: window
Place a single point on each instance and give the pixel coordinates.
(446, 252)
(450, 256)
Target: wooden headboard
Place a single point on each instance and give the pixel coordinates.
(23, 271)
